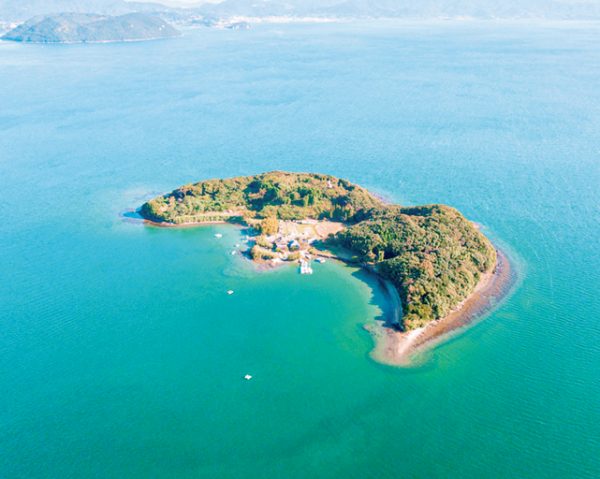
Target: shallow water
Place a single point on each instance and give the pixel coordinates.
(121, 355)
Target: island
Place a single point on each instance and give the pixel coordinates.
(91, 28)
(434, 262)
(238, 26)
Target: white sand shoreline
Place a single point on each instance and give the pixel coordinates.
(396, 348)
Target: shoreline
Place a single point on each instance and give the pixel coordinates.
(393, 347)
(92, 42)
(163, 224)
(396, 348)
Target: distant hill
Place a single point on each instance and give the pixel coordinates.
(83, 28)
(21, 10)
(211, 14)
(482, 9)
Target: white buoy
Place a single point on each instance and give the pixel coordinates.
(247, 377)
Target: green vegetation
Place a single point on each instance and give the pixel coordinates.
(263, 242)
(294, 256)
(287, 196)
(432, 254)
(269, 226)
(259, 253)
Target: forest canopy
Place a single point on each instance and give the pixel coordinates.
(286, 196)
(432, 254)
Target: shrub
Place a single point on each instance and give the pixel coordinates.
(269, 226)
(263, 242)
(259, 253)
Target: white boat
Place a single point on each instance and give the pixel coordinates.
(233, 252)
(247, 377)
(218, 235)
(230, 291)
(320, 260)
(305, 267)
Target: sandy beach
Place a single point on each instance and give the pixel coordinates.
(396, 348)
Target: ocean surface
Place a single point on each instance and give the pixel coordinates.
(122, 356)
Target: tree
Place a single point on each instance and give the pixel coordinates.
(269, 226)
(263, 242)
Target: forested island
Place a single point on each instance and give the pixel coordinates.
(433, 255)
(91, 28)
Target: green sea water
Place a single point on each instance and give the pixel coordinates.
(123, 356)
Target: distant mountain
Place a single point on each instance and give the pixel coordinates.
(549, 9)
(238, 26)
(255, 8)
(214, 13)
(21, 10)
(82, 28)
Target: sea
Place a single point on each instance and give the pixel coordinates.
(123, 356)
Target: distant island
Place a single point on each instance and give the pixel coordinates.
(91, 28)
(221, 14)
(238, 26)
(432, 256)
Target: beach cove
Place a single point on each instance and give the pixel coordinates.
(392, 346)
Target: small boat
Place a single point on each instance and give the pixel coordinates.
(233, 252)
(247, 377)
(218, 235)
(305, 267)
(320, 260)
(230, 292)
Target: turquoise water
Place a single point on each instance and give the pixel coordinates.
(121, 355)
